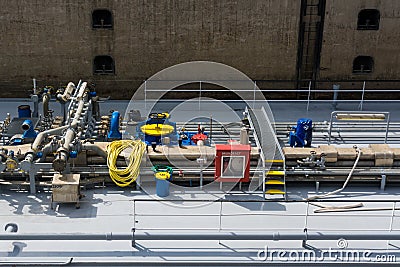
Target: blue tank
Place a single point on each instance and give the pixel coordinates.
(24, 111)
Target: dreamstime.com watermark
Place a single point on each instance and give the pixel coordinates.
(340, 254)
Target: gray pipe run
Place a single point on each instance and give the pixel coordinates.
(42, 135)
(39, 138)
(275, 236)
(60, 162)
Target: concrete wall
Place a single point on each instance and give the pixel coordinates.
(342, 41)
(53, 41)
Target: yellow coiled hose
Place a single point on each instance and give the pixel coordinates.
(124, 177)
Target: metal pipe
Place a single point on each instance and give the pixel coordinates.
(96, 107)
(72, 102)
(114, 132)
(211, 130)
(35, 100)
(66, 96)
(276, 236)
(39, 138)
(60, 162)
(46, 100)
(34, 86)
(46, 150)
(11, 228)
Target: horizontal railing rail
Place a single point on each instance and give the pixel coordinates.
(302, 219)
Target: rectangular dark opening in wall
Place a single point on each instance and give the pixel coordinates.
(368, 19)
(102, 19)
(103, 65)
(363, 64)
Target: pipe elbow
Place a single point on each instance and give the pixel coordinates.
(66, 96)
(26, 125)
(114, 132)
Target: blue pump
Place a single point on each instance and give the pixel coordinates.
(157, 118)
(301, 136)
(29, 132)
(114, 132)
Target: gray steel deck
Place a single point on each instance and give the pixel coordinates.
(111, 209)
(105, 210)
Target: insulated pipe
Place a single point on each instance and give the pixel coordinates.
(66, 96)
(46, 100)
(276, 236)
(39, 138)
(81, 91)
(46, 150)
(60, 162)
(72, 102)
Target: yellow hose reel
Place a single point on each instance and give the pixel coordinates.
(126, 176)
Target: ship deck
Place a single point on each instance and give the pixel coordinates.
(110, 209)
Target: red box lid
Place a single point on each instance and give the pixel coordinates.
(228, 147)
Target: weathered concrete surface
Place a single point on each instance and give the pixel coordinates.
(54, 42)
(343, 42)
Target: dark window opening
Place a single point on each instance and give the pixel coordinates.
(363, 64)
(368, 19)
(103, 65)
(102, 19)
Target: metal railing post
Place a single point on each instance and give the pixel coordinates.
(330, 128)
(306, 218)
(254, 94)
(200, 97)
(220, 219)
(360, 107)
(134, 214)
(387, 127)
(145, 95)
(391, 220)
(336, 88)
(309, 94)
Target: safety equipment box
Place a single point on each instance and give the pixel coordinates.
(232, 163)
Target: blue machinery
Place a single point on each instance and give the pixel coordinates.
(301, 136)
(114, 133)
(157, 129)
(29, 132)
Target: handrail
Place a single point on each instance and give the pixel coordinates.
(359, 113)
(259, 146)
(271, 215)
